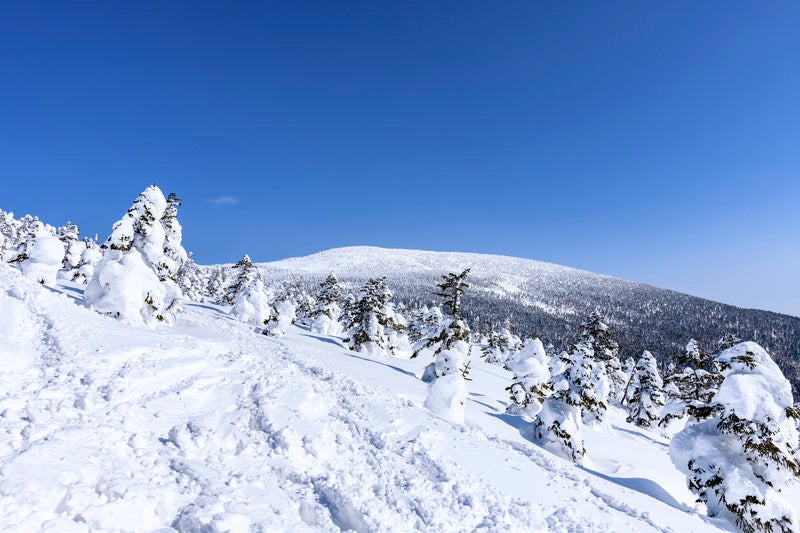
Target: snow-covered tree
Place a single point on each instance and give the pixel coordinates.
(69, 235)
(328, 312)
(218, 283)
(246, 272)
(190, 280)
(125, 283)
(8, 235)
(695, 383)
(251, 304)
(580, 394)
(729, 340)
(283, 315)
(501, 345)
(43, 257)
(598, 336)
(453, 333)
(174, 255)
(530, 385)
(90, 257)
(374, 327)
(425, 323)
(645, 397)
(737, 461)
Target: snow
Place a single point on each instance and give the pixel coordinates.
(205, 425)
(45, 254)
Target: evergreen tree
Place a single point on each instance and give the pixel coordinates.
(217, 283)
(501, 345)
(174, 255)
(737, 461)
(645, 395)
(695, 383)
(453, 332)
(125, 283)
(451, 290)
(90, 257)
(69, 235)
(190, 280)
(327, 311)
(374, 327)
(729, 340)
(251, 303)
(246, 272)
(282, 316)
(598, 336)
(530, 384)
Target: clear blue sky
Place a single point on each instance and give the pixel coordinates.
(655, 141)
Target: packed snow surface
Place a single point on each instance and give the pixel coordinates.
(207, 425)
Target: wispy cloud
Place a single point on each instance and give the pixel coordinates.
(225, 200)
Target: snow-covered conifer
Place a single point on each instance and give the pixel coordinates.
(245, 272)
(737, 461)
(43, 257)
(217, 283)
(90, 257)
(598, 336)
(251, 304)
(125, 283)
(729, 340)
(530, 385)
(174, 255)
(645, 397)
(453, 333)
(190, 280)
(374, 328)
(69, 235)
(696, 381)
(501, 345)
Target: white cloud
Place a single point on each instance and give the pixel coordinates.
(225, 200)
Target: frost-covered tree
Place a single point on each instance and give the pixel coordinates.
(251, 304)
(645, 397)
(327, 311)
(42, 258)
(217, 283)
(69, 235)
(126, 283)
(283, 315)
(501, 345)
(90, 257)
(737, 461)
(9, 228)
(453, 333)
(530, 385)
(627, 367)
(695, 383)
(599, 337)
(190, 280)
(174, 255)
(425, 323)
(374, 327)
(246, 272)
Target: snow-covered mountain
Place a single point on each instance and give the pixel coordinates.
(207, 425)
(551, 300)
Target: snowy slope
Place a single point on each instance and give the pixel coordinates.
(552, 300)
(111, 427)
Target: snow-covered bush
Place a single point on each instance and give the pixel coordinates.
(558, 429)
(737, 461)
(251, 304)
(44, 255)
(447, 396)
(530, 385)
(645, 397)
(125, 283)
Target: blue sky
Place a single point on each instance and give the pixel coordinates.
(658, 142)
